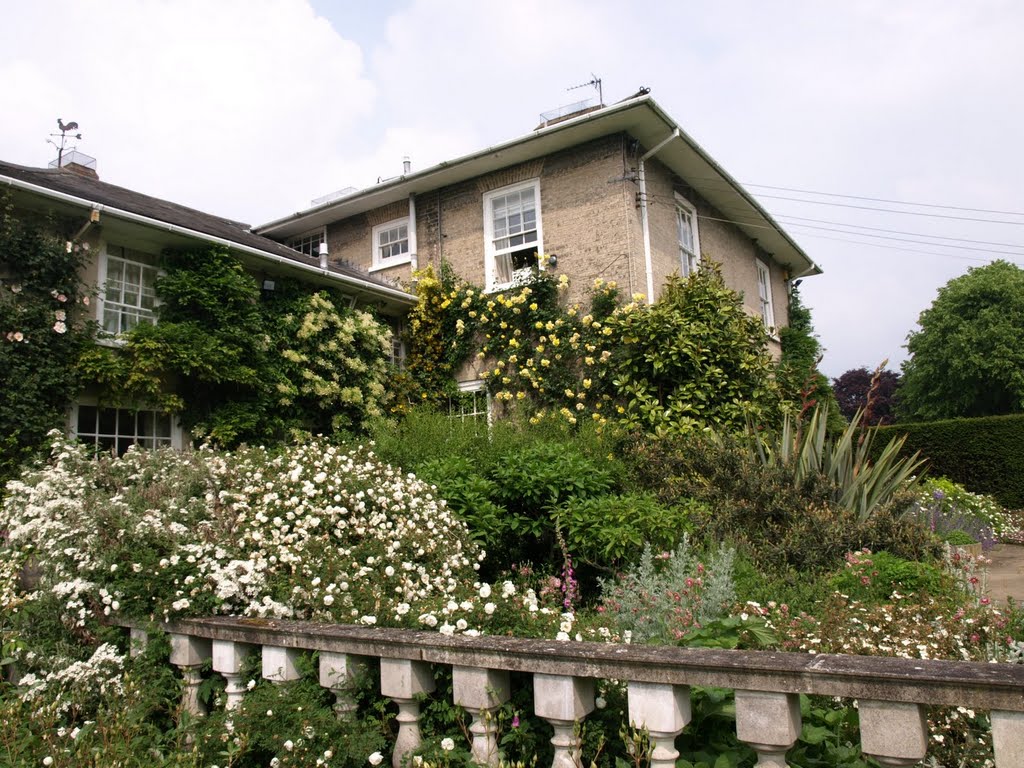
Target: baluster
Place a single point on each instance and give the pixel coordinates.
(563, 701)
(188, 654)
(894, 733)
(664, 710)
(336, 673)
(481, 692)
(1008, 738)
(280, 664)
(138, 639)
(769, 723)
(401, 680)
(228, 658)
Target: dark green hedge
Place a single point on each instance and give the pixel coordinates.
(986, 454)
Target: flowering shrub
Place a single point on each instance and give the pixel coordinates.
(946, 506)
(666, 595)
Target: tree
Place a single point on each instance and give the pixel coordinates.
(968, 357)
(852, 389)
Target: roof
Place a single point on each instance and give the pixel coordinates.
(639, 116)
(171, 223)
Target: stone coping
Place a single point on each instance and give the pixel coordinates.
(925, 681)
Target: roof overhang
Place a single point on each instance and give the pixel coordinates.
(150, 234)
(640, 117)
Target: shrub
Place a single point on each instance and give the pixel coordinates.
(874, 577)
(948, 506)
(666, 595)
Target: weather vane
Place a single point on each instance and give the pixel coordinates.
(65, 129)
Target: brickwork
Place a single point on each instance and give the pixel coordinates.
(589, 217)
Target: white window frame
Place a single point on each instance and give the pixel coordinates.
(397, 352)
(764, 294)
(689, 261)
(147, 265)
(480, 393)
(379, 262)
(175, 440)
(308, 243)
(491, 253)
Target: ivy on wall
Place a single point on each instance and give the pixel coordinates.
(42, 332)
(240, 366)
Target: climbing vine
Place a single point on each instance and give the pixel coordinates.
(692, 359)
(240, 366)
(42, 332)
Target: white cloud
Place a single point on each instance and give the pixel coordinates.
(235, 107)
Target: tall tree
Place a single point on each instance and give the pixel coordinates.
(968, 357)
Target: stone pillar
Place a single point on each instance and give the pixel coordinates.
(663, 710)
(336, 673)
(280, 664)
(188, 654)
(769, 723)
(1008, 738)
(402, 680)
(563, 702)
(894, 733)
(228, 658)
(481, 692)
(137, 641)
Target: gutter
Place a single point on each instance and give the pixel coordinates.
(644, 223)
(366, 285)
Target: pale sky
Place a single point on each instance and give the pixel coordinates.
(250, 108)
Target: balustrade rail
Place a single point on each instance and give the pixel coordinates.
(891, 692)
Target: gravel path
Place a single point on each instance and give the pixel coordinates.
(1006, 573)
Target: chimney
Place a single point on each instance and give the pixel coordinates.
(406, 165)
(78, 163)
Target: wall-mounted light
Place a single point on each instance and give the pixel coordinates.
(553, 260)
(269, 285)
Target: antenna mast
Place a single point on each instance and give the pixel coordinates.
(595, 83)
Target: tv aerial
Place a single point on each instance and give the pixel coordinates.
(65, 129)
(595, 83)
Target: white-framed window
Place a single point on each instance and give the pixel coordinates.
(473, 403)
(391, 244)
(114, 430)
(397, 353)
(128, 294)
(309, 243)
(764, 294)
(689, 240)
(513, 235)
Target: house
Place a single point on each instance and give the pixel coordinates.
(126, 231)
(618, 192)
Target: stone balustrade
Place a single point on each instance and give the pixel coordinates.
(891, 693)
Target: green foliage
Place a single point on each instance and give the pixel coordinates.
(247, 368)
(613, 529)
(861, 482)
(664, 596)
(985, 455)
(967, 359)
(693, 359)
(43, 330)
(873, 577)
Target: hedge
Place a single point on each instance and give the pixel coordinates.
(985, 454)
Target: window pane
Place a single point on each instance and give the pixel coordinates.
(163, 425)
(87, 419)
(107, 421)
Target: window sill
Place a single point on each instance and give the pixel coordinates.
(388, 265)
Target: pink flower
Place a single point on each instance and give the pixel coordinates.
(61, 297)
(515, 721)
(19, 336)
(59, 327)
(85, 300)
(60, 315)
